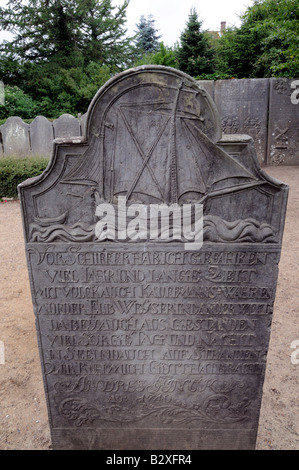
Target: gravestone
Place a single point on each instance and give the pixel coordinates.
(66, 126)
(283, 122)
(153, 339)
(41, 136)
(209, 86)
(15, 137)
(1, 145)
(243, 108)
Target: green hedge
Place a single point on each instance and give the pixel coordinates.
(15, 170)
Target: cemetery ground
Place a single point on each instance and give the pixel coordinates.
(23, 414)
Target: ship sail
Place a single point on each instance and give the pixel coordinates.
(156, 151)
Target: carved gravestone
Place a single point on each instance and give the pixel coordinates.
(283, 122)
(146, 341)
(243, 108)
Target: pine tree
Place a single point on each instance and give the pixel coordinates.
(62, 51)
(58, 28)
(194, 55)
(147, 40)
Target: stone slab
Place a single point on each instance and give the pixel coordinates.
(283, 122)
(209, 86)
(15, 137)
(66, 126)
(150, 343)
(41, 136)
(243, 107)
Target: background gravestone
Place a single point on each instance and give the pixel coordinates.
(15, 137)
(243, 108)
(66, 126)
(146, 344)
(209, 86)
(41, 136)
(283, 122)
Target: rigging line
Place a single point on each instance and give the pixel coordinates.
(172, 150)
(232, 189)
(141, 152)
(146, 159)
(112, 174)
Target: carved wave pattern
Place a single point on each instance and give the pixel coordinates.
(215, 229)
(247, 230)
(61, 233)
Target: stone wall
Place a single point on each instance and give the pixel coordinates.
(266, 109)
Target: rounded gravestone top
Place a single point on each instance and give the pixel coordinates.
(157, 89)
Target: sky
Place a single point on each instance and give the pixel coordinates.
(171, 16)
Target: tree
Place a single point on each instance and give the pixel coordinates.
(57, 28)
(266, 44)
(164, 56)
(17, 103)
(63, 50)
(195, 55)
(147, 40)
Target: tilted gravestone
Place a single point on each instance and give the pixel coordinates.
(41, 136)
(149, 338)
(283, 122)
(243, 108)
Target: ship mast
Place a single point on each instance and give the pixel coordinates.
(172, 151)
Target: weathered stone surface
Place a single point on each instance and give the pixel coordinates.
(209, 86)
(243, 108)
(283, 133)
(41, 136)
(1, 145)
(83, 124)
(66, 126)
(15, 137)
(146, 344)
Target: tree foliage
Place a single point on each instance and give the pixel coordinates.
(147, 39)
(163, 56)
(195, 55)
(266, 44)
(45, 29)
(63, 50)
(18, 103)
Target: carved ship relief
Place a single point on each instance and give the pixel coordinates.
(159, 142)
